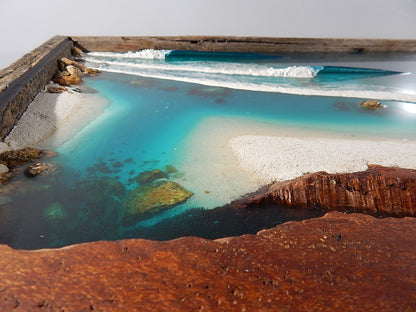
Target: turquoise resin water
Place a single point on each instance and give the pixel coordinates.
(143, 129)
(148, 118)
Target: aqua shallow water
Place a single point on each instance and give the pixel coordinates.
(145, 128)
(148, 117)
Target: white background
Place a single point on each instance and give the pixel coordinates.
(25, 24)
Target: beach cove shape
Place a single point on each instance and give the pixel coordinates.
(201, 131)
(161, 122)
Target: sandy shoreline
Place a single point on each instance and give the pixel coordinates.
(54, 118)
(223, 158)
(273, 158)
(226, 158)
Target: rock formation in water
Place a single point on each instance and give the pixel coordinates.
(66, 79)
(371, 104)
(3, 168)
(55, 89)
(12, 160)
(147, 177)
(153, 198)
(71, 72)
(65, 62)
(15, 158)
(339, 262)
(169, 169)
(40, 169)
(378, 191)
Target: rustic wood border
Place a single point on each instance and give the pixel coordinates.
(24, 79)
(244, 44)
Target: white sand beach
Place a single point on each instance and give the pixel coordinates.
(274, 158)
(225, 158)
(53, 118)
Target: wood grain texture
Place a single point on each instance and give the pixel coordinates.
(243, 44)
(335, 263)
(24, 79)
(380, 191)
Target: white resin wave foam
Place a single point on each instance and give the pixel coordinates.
(143, 54)
(216, 68)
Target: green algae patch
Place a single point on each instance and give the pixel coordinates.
(154, 198)
(147, 177)
(55, 211)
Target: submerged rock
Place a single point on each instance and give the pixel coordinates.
(156, 197)
(5, 177)
(40, 169)
(143, 82)
(16, 158)
(170, 169)
(3, 169)
(13, 160)
(100, 188)
(147, 177)
(209, 91)
(54, 211)
(371, 104)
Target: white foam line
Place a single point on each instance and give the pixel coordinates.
(229, 69)
(143, 54)
(377, 95)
